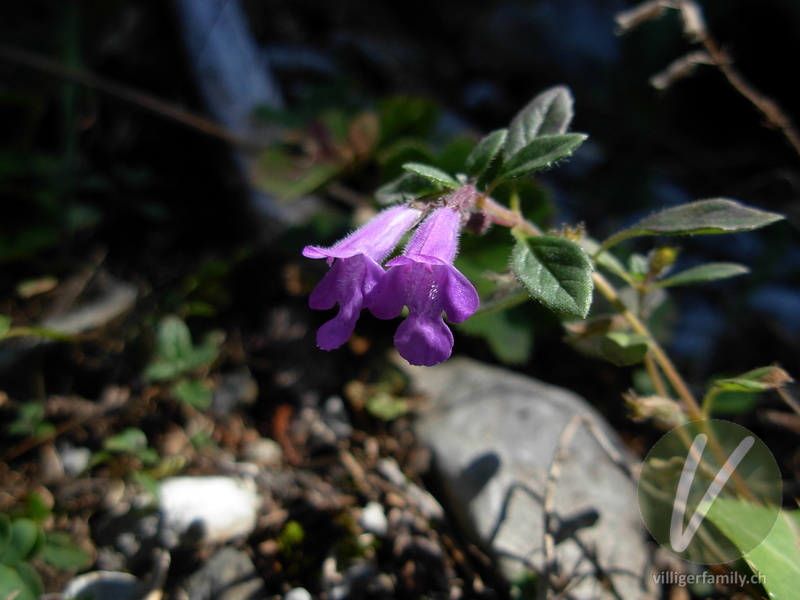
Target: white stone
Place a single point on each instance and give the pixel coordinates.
(373, 519)
(212, 509)
(297, 593)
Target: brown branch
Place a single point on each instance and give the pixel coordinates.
(163, 109)
(696, 30)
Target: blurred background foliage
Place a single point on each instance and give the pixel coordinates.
(88, 179)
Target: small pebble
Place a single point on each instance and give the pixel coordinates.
(263, 452)
(297, 593)
(373, 519)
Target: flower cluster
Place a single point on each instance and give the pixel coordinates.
(423, 278)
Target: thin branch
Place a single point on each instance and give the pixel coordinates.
(697, 31)
(163, 109)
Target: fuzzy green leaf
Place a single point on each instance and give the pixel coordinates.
(540, 153)
(704, 273)
(549, 113)
(705, 217)
(485, 152)
(554, 271)
(432, 174)
(777, 558)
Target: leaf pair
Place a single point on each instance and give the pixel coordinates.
(535, 139)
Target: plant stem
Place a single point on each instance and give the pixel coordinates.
(656, 351)
(514, 219)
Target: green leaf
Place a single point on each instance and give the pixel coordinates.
(433, 174)
(757, 380)
(549, 113)
(195, 392)
(5, 325)
(128, 441)
(705, 217)
(20, 583)
(777, 558)
(407, 186)
(732, 403)
(554, 271)
(386, 407)
(510, 341)
(61, 551)
(25, 541)
(485, 152)
(38, 508)
(176, 353)
(174, 340)
(33, 582)
(704, 273)
(623, 348)
(279, 173)
(540, 153)
(5, 532)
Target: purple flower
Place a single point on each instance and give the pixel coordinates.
(425, 280)
(355, 270)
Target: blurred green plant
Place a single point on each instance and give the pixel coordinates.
(131, 442)
(323, 144)
(182, 364)
(23, 539)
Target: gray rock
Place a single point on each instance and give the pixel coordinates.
(494, 435)
(235, 389)
(228, 575)
(103, 585)
(362, 581)
(422, 499)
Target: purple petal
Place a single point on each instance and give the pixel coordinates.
(423, 338)
(348, 282)
(375, 239)
(424, 341)
(460, 299)
(387, 298)
(436, 237)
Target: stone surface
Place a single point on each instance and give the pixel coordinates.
(103, 585)
(297, 593)
(228, 575)
(210, 510)
(373, 519)
(264, 452)
(494, 434)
